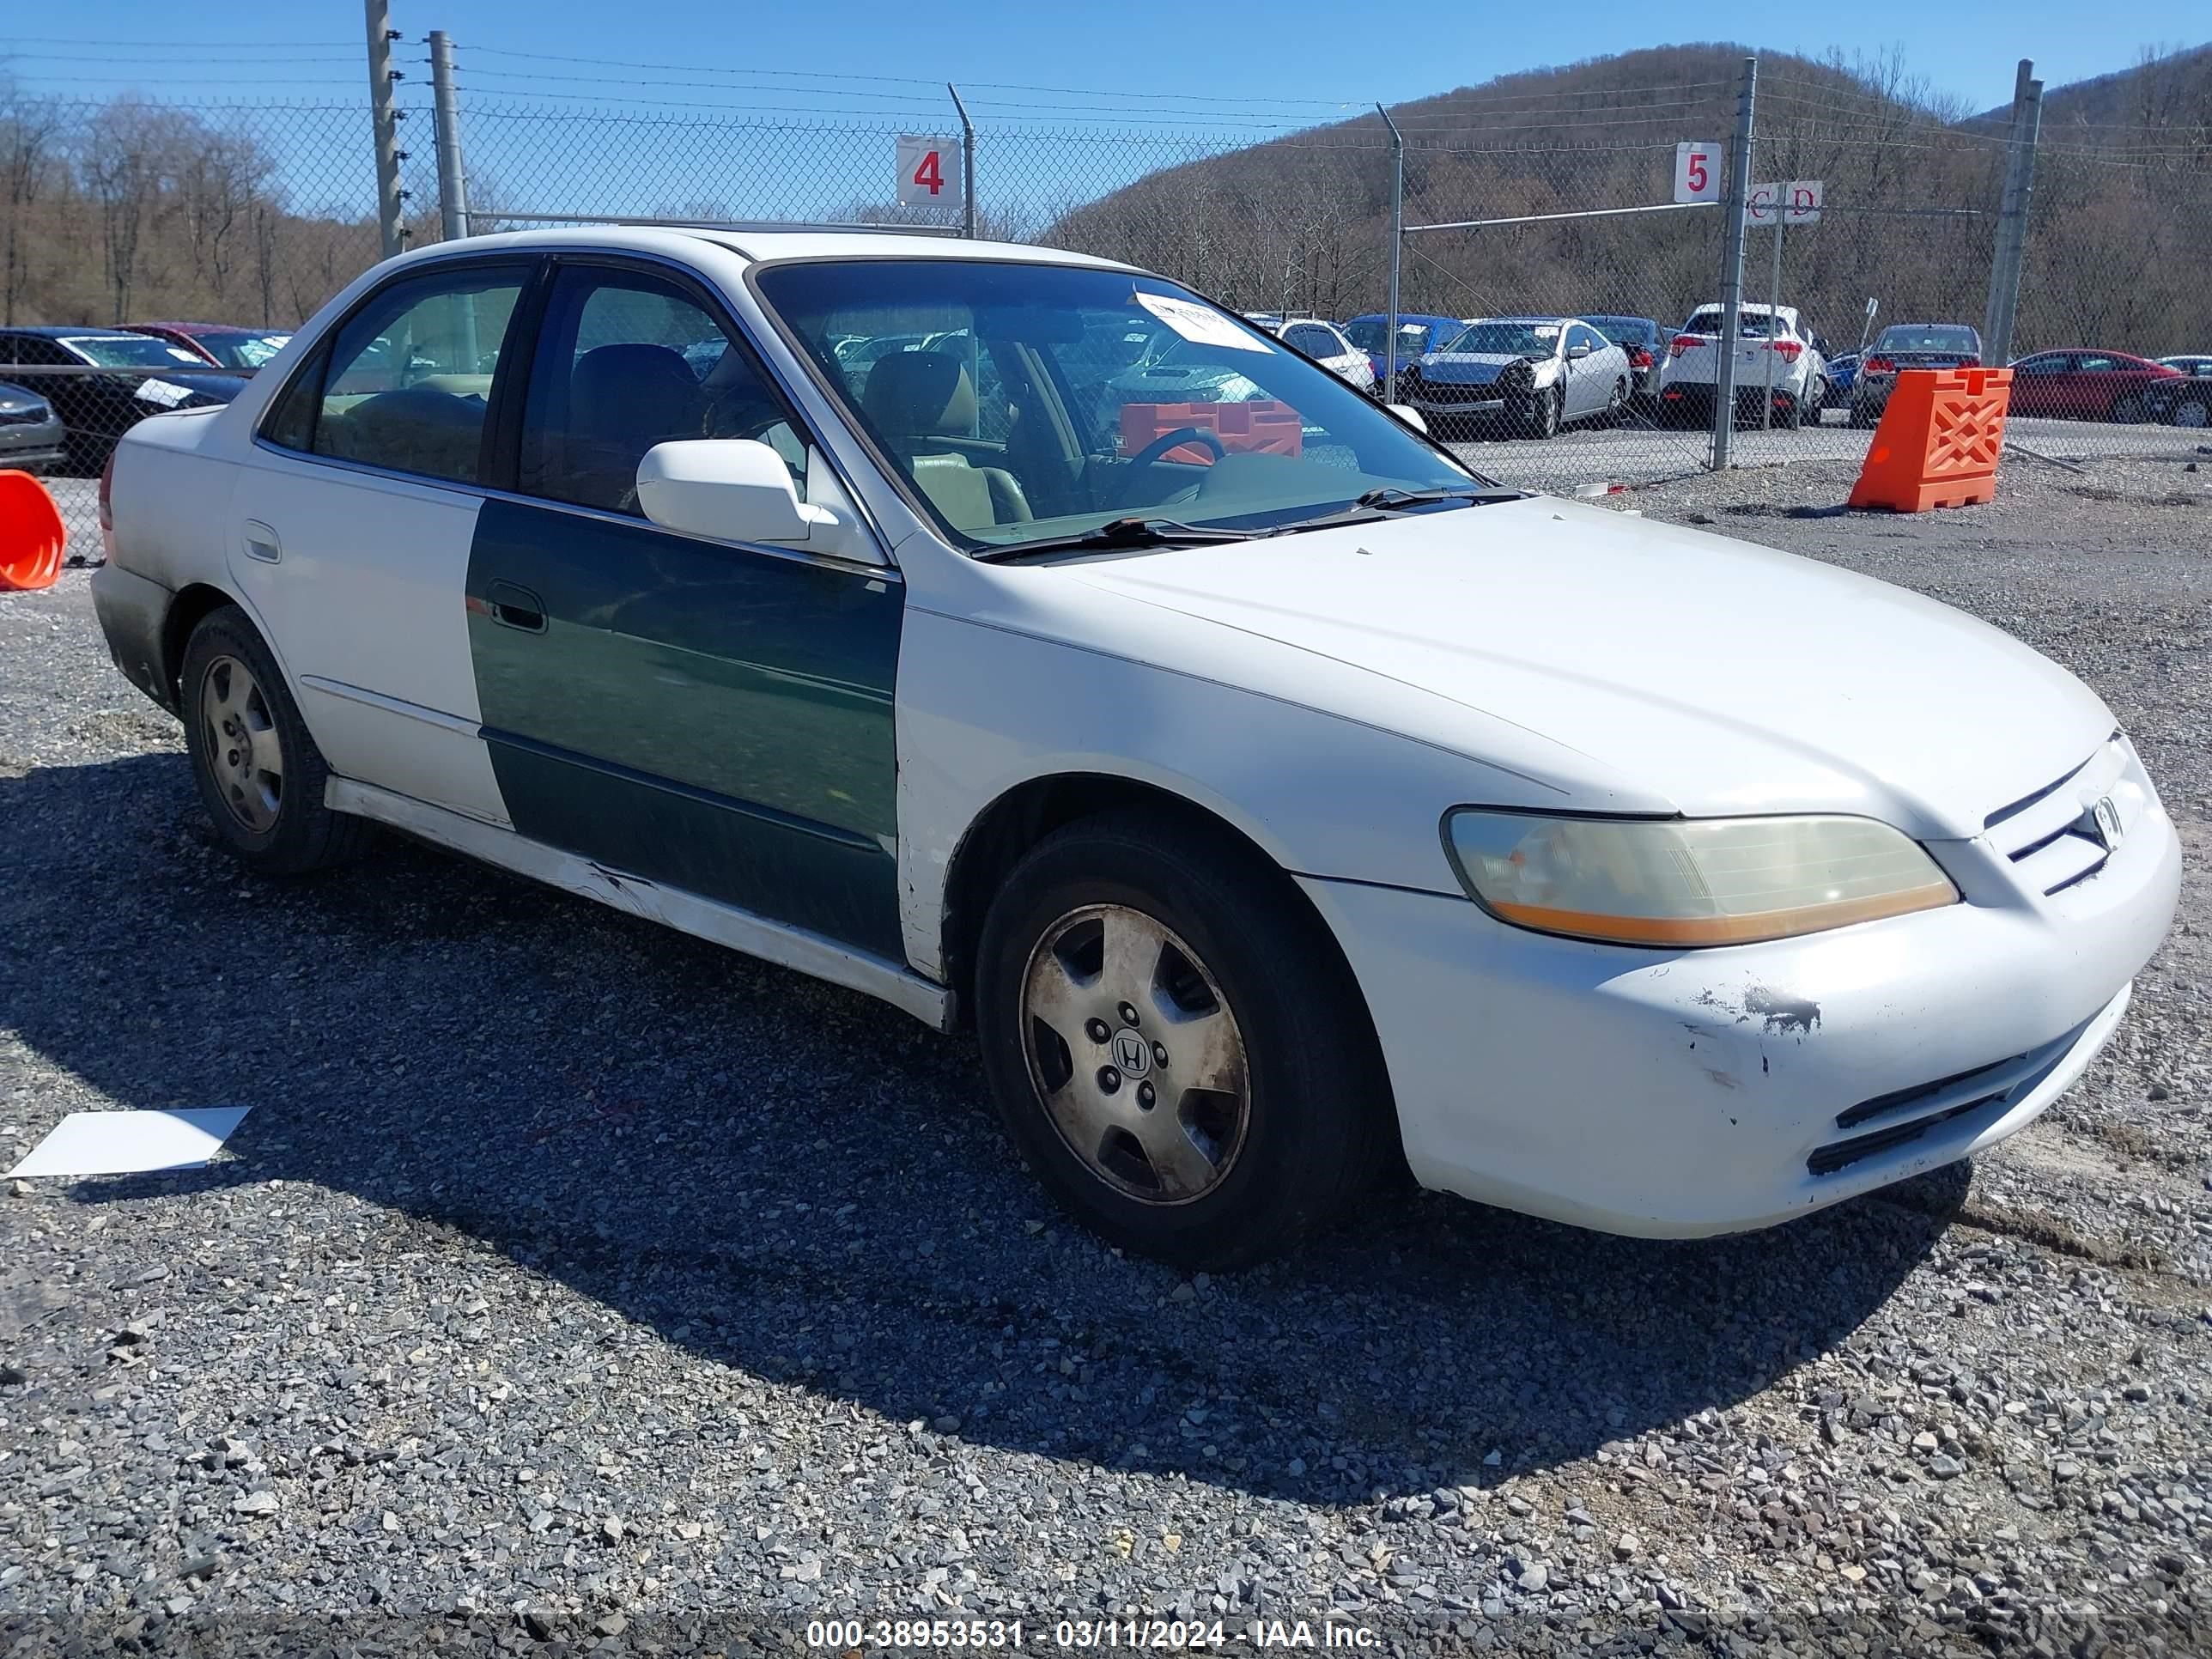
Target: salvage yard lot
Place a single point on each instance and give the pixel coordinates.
(570, 1267)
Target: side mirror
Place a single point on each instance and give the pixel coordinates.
(1409, 415)
(733, 489)
(1575, 351)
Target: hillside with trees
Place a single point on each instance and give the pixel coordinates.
(1301, 222)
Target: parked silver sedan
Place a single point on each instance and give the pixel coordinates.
(1324, 342)
(1531, 375)
(31, 435)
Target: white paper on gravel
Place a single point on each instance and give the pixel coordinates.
(132, 1143)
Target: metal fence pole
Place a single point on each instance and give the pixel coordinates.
(1739, 196)
(1397, 251)
(384, 121)
(967, 165)
(2012, 216)
(453, 178)
(1774, 297)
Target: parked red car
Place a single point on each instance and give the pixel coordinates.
(241, 350)
(2093, 385)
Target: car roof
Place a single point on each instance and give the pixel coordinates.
(209, 328)
(759, 245)
(1404, 318)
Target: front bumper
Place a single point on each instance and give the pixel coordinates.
(1711, 1092)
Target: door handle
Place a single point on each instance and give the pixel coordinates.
(513, 605)
(261, 543)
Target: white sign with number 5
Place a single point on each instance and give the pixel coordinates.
(1697, 172)
(928, 172)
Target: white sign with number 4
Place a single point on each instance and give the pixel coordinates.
(928, 172)
(1697, 172)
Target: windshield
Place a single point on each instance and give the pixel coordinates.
(1372, 334)
(131, 351)
(1750, 324)
(1628, 331)
(242, 349)
(1026, 419)
(1508, 339)
(1913, 336)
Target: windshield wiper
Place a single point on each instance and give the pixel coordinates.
(1390, 498)
(1122, 533)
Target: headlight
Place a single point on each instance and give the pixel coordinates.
(1688, 882)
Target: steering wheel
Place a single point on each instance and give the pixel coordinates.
(1160, 446)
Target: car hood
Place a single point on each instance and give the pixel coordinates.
(1656, 665)
(1471, 367)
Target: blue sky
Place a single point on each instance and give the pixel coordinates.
(1291, 57)
(625, 106)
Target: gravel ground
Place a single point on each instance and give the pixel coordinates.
(574, 1284)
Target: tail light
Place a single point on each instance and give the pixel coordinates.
(1639, 357)
(1787, 350)
(1684, 343)
(107, 493)
(1879, 366)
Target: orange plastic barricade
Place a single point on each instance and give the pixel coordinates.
(30, 534)
(1939, 440)
(1262, 425)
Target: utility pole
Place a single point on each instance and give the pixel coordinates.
(2012, 217)
(967, 165)
(1397, 251)
(385, 120)
(1739, 197)
(452, 179)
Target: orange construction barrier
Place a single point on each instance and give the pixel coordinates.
(1939, 440)
(30, 534)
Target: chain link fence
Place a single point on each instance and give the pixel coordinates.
(1533, 201)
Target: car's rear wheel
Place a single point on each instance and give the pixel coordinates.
(2129, 411)
(2193, 412)
(258, 770)
(1176, 1045)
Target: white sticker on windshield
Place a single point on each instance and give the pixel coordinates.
(1545, 330)
(164, 393)
(1199, 325)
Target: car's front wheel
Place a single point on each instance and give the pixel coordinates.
(258, 770)
(1176, 1045)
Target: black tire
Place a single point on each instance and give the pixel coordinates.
(1540, 418)
(1861, 416)
(1319, 1123)
(2130, 411)
(304, 835)
(1616, 409)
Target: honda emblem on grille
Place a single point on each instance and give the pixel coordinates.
(2106, 818)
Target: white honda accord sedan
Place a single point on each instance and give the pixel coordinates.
(1275, 797)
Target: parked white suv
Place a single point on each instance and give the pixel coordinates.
(1772, 348)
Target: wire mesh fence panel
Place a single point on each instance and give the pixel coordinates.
(1548, 197)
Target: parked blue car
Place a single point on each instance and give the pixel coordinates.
(1418, 334)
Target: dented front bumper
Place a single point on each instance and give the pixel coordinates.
(1708, 1092)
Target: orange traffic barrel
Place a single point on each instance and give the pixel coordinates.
(30, 534)
(1939, 440)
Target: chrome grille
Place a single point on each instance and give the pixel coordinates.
(2052, 838)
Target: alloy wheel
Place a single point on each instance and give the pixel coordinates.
(1135, 1055)
(244, 754)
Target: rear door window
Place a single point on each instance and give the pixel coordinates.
(410, 373)
(627, 360)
